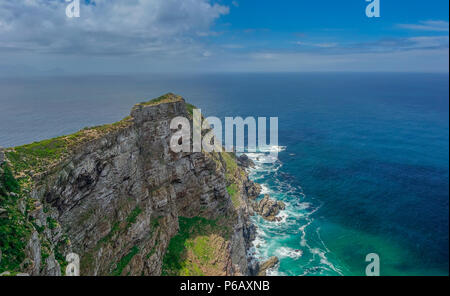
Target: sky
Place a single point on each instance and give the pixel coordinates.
(152, 36)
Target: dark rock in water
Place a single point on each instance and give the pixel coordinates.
(269, 208)
(253, 190)
(272, 262)
(246, 162)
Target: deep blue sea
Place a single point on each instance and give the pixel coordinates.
(363, 166)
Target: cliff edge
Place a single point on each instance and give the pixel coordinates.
(117, 196)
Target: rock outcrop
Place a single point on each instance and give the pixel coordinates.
(253, 189)
(265, 266)
(245, 161)
(114, 195)
(2, 155)
(269, 208)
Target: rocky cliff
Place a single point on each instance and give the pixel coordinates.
(117, 196)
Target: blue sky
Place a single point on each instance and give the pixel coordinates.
(135, 36)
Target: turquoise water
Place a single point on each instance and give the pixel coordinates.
(363, 164)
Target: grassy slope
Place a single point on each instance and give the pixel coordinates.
(195, 249)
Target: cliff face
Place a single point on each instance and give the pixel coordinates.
(117, 196)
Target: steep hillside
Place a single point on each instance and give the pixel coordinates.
(121, 199)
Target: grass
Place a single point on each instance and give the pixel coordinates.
(114, 229)
(190, 109)
(167, 98)
(39, 156)
(154, 224)
(125, 261)
(202, 248)
(131, 219)
(194, 237)
(59, 256)
(52, 223)
(233, 191)
(231, 166)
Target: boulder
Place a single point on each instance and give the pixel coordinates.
(253, 189)
(269, 208)
(272, 262)
(245, 161)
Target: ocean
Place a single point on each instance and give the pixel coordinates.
(363, 164)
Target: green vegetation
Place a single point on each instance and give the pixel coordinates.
(59, 256)
(124, 261)
(131, 219)
(190, 109)
(202, 248)
(233, 191)
(152, 251)
(231, 166)
(114, 229)
(167, 98)
(154, 224)
(52, 223)
(7, 182)
(15, 229)
(193, 236)
(38, 156)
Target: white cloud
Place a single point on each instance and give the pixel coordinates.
(119, 27)
(321, 45)
(437, 26)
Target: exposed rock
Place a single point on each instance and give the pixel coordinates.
(33, 251)
(52, 267)
(269, 208)
(118, 197)
(253, 189)
(270, 263)
(2, 155)
(245, 161)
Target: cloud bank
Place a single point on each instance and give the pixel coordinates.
(105, 27)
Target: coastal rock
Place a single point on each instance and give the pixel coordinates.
(269, 208)
(253, 189)
(116, 199)
(265, 266)
(245, 161)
